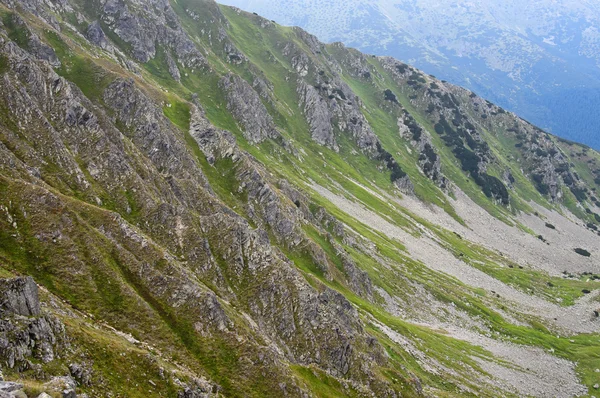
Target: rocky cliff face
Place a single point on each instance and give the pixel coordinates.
(213, 205)
(247, 107)
(28, 335)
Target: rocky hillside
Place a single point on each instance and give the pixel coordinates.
(537, 58)
(197, 202)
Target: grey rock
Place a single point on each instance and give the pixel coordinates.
(19, 296)
(199, 388)
(313, 43)
(331, 106)
(173, 68)
(35, 46)
(508, 178)
(405, 185)
(318, 116)
(234, 55)
(64, 385)
(346, 108)
(96, 35)
(183, 217)
(144, 24)
(214, 143)
(81, 373)
(429, 159)
(152, 132)
(43, 51)
(264, 88)
(9, 386)
(246, 106)
(18, 394)
(37, 338)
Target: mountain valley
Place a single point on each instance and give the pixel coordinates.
(196, 201)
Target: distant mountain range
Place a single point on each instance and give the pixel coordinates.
(539, 59)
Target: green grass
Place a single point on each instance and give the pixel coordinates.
(4, 66)
(91, 78)
(321, 384)
(16, 32)
(107, 281)
(178, 113)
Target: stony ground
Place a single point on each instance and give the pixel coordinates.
(524, 370)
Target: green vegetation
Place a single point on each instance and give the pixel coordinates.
(115, 253)
(17, 31)
(582, 252)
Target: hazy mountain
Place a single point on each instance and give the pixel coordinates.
(197, 202)
(540, 59)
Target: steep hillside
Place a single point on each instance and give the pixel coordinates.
(196, 201)
(537, 58)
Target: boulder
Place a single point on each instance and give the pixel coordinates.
(9, 386)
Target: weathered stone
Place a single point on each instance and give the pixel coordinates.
(81, 373)
(318, 116)
(64, 385)
(18, 394)
(144, 24)
(405, 185)
(96, 35)
(10, 387)
(173, 68)
(19, 296)
(246, 106)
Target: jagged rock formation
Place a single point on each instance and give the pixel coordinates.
(27, 335)
(318, 116)
(211, 203)
(429, 160)
(246, 106)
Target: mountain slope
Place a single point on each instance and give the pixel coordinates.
(538, 59)
(216, 205)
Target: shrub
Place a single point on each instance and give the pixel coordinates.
(548, 225)
(397, 173)
(579, 193)
(340, 93)
(468, 159)
(492, 187)
(390, 96)
(542, 187)
(401, 68)
(592, 226)
(582, 252)
(440, 129)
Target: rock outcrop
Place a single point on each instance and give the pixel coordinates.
(318, 115)
(148, 26)
(19, 296)
(27, 335)
(246, 106)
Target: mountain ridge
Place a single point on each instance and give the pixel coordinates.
(215, 205)
(536, 59)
